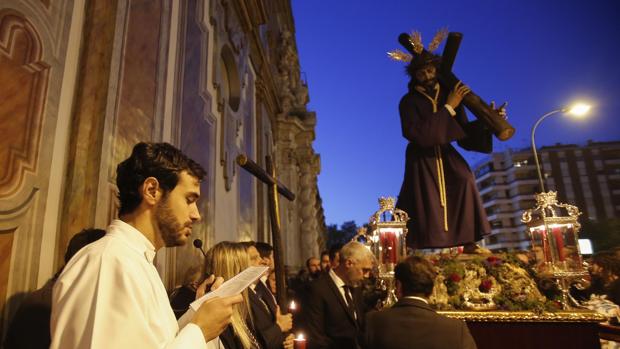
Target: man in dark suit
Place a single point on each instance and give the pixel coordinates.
(411, 322)
(333, 313)
(269, 324)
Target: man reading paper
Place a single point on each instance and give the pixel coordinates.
(110, 294)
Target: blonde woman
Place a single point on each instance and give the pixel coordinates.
(227, 259)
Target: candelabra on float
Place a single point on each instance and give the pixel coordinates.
(555, 244)
(387, 241)
(554, 237)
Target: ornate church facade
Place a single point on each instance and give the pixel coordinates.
(82, 81)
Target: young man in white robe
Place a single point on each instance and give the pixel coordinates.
(110, 294)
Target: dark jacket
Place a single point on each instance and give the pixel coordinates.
(412, 323)
(269, 334)
(327, 318)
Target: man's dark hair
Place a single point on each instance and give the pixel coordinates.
(609, 260)
(81, 239)
(324, 253)
(416, 276)
(159, 160)
(264, 249)
(333, 251)
(308, 261)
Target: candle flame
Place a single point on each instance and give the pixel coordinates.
(292, 306)
(300, 337)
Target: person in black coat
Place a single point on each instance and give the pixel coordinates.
(30, 327)
(411, 322)
(333, 314)
(269, 324)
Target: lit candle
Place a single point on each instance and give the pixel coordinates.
(299, 342)
(388, 242)
(559, 242)
(292, 307)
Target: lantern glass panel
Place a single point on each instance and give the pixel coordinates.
(555, 246)
(388, 248)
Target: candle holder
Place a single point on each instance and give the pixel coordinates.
(555, 243)
(387, 241)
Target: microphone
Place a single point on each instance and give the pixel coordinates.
(198, 245)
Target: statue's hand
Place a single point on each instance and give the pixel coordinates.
(456, 95)
(501, 110)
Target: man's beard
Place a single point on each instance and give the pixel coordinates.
(429, 84)
(169, 228)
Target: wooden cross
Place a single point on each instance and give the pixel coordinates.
(274, 187)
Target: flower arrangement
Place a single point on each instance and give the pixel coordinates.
(473, 282)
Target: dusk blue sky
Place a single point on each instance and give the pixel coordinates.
(537, 55)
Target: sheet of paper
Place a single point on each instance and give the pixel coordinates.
(231, 287)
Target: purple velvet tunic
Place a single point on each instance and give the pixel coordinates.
(420, 192)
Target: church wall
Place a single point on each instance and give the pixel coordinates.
(105, 74)
(37, 68)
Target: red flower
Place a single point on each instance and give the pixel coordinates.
(485, 285)
(492, 259)
(455, 277)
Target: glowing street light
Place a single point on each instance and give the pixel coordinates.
(578, 109)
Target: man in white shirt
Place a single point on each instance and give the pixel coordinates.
(110, 294)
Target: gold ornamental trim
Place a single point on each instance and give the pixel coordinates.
(525, 316)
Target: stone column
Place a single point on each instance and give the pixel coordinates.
(84, 155)
(309, 167)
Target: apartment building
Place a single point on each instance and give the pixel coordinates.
(587, 176)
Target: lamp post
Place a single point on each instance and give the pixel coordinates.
(578, 109)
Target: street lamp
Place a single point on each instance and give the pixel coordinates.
(578, 110)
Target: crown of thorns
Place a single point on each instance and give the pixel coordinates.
(415, 39)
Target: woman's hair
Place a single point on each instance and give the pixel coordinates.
(227, 259)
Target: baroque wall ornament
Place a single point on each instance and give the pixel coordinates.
(21, 66)
(230, 81)
(293, 91)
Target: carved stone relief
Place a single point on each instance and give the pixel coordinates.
(228, 80)
(293, 91)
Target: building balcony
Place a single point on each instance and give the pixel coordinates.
(497, 201)
(493, 187)
(500, 215)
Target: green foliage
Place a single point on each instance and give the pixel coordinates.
(340, 236)
(507, 278)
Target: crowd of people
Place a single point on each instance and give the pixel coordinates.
(109, 294)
